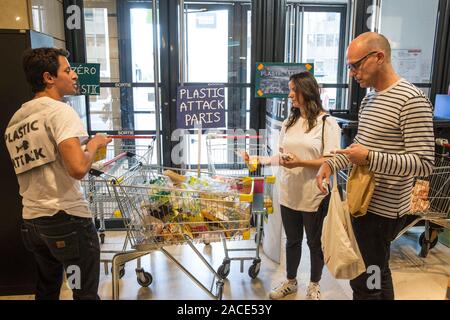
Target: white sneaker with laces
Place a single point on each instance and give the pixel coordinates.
(285, 288)
(313, 291)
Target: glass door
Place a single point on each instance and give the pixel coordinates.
(316, 34)
(119, 36)
(217, 51)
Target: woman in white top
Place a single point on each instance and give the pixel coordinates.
(302, 147)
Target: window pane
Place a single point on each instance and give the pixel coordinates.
(320, 29)
(207, 46)
(144, 99)
(334, 98)
(410, 26)
(100, 23)
(105, 110)
(144, 121)
(142, 44)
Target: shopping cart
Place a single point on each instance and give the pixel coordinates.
(123, 156)
(433, 201)
(237, 155)
(122, 161)
(172, 209)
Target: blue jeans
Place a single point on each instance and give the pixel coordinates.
(64, 242)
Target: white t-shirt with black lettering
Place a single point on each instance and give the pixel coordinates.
(49, 188)
(298, 188)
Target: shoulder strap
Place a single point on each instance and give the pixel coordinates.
(324, 118)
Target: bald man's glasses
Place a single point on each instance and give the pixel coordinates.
(356, 65)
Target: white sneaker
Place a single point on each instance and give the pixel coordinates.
(283, 290)
(313, 291)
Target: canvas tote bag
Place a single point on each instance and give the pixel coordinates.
(340, 249)
(360, 188)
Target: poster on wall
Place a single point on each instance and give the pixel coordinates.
(410, 65)
(88, 78)
(272, 79)
(200, 105)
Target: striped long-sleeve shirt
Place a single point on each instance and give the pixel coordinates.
(396, 125)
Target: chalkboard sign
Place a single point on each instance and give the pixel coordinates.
(272, 79)
(88, 78)
(200, 105)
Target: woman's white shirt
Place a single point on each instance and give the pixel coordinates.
(298, 189)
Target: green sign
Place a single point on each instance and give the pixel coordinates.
(272, 79)
(88, 78)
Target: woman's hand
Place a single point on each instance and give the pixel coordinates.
(290, 162)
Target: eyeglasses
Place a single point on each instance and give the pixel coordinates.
(355, 66)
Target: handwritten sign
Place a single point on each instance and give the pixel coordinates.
(272, 79)
(88, 78)
(200, 105)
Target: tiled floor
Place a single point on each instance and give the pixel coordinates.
(414, 277)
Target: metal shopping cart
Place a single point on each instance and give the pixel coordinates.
(237, 155)
(431, 203)
(122, 161)
(183, 209)
(123, 156)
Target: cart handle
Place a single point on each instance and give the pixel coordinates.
(235, 137)
(130, 137)
(98, 172)
(115, 159)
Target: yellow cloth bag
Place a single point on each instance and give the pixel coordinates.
(360, 188)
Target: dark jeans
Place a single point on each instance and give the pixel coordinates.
(293, 222)
(64, 242)
(374, 235)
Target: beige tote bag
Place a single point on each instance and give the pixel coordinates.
(340, 249)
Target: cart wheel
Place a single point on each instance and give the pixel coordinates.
(224, 270)
(219, 290)
(121, 271)
(434, 239)
(144, 279)
(254, 270)
(102, 238)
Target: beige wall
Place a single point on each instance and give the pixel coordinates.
(14, 14)
(46, 16)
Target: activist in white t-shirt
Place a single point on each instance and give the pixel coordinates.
(301, 202)
(46, 187)
(43, 141)
(298, 190)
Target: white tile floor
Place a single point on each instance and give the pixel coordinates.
(414, 277)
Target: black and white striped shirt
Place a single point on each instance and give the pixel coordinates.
(397, 126)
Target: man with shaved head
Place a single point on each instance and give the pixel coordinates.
(396, 140)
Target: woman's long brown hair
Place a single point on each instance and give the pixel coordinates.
(306, 85)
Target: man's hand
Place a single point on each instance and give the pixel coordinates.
(323, 177)
(100, 140)
(292, 162)
(356, 153)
